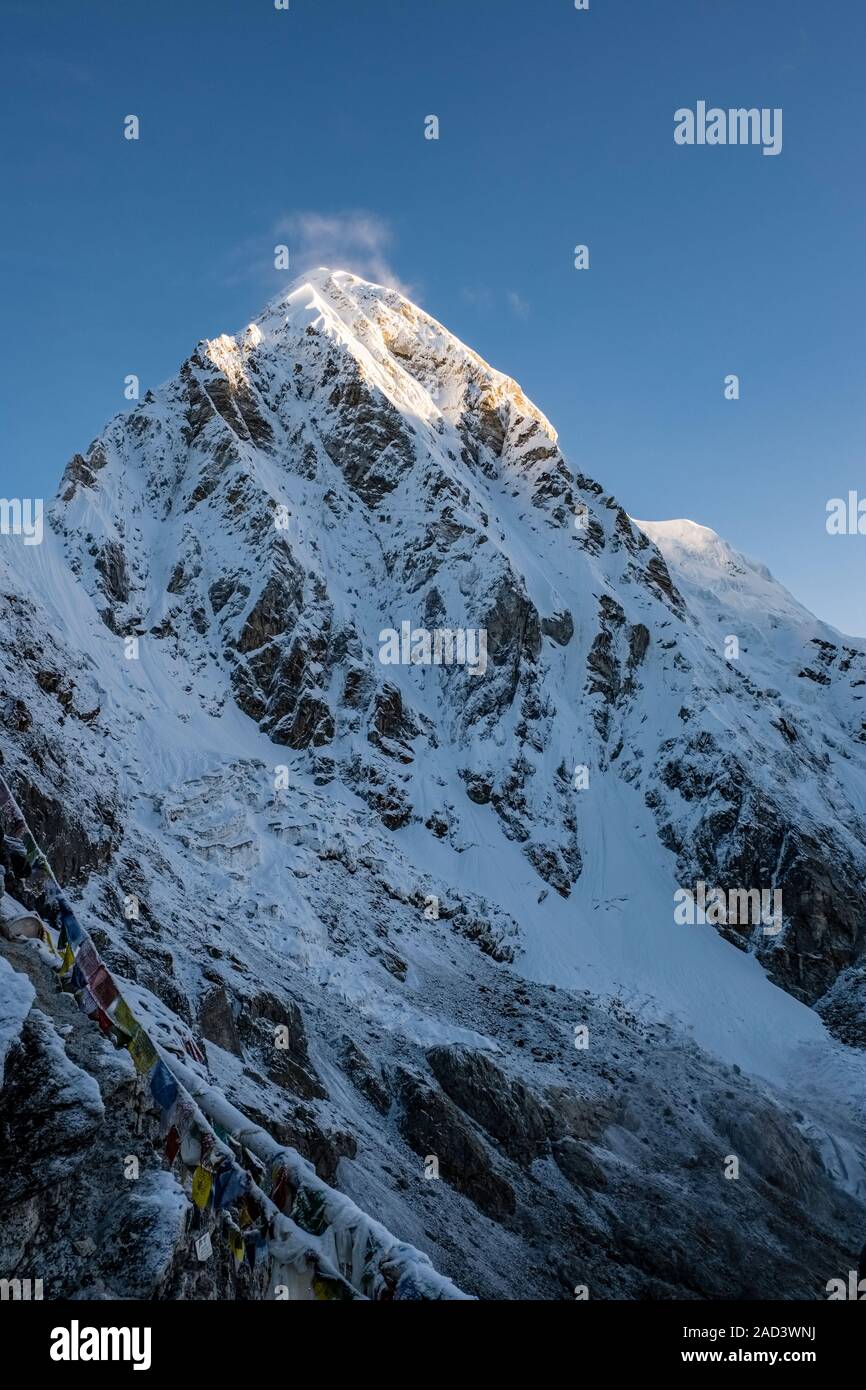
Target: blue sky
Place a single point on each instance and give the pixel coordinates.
(307, 126)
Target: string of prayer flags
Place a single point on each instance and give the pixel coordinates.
(97, 995)
(163, 1086)
(253, 1165)
(46, 937)
(222, 1173)
(207, 1141)
(217, 1175)
(328, 1290)
(51, 890)
(308, 1210)
(201, 1187)
(182, 1115)
(249, 1211)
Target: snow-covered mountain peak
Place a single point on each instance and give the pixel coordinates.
(704, 551)
(393, 339)
(201, 695)
(724, 585)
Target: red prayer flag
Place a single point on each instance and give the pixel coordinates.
(102, 987)
(172, 1144)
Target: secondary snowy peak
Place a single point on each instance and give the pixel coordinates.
(689, 539)
(777, 640)
(713, 572)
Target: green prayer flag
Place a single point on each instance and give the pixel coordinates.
(142, 1052)
(124, 1017)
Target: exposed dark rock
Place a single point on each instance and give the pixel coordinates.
(49, 1110)
(358, 687)
(560, 627)
(73, 852)
(432, 1125)
(504, 1108)
(111, 564)
(366, 1076)
(15, 715)
(578, 1165)
(659, 577)
(558, 866)
(276, 607)
(389, 717)
(276, 1028)
(638, 642)
(217, 1022)
(478, 787)
(368, 440)
(843, 1007)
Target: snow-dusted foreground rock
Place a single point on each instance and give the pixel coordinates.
(448, 888)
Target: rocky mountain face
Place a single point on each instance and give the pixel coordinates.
(451, 882)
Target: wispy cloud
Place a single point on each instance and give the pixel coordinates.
(517, 304)
(357, 240)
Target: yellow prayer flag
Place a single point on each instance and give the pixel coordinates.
(323, 1290)
(201, 1186)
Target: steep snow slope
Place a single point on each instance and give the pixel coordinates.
(398, 856)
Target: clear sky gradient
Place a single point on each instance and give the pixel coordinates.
(307, 127)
